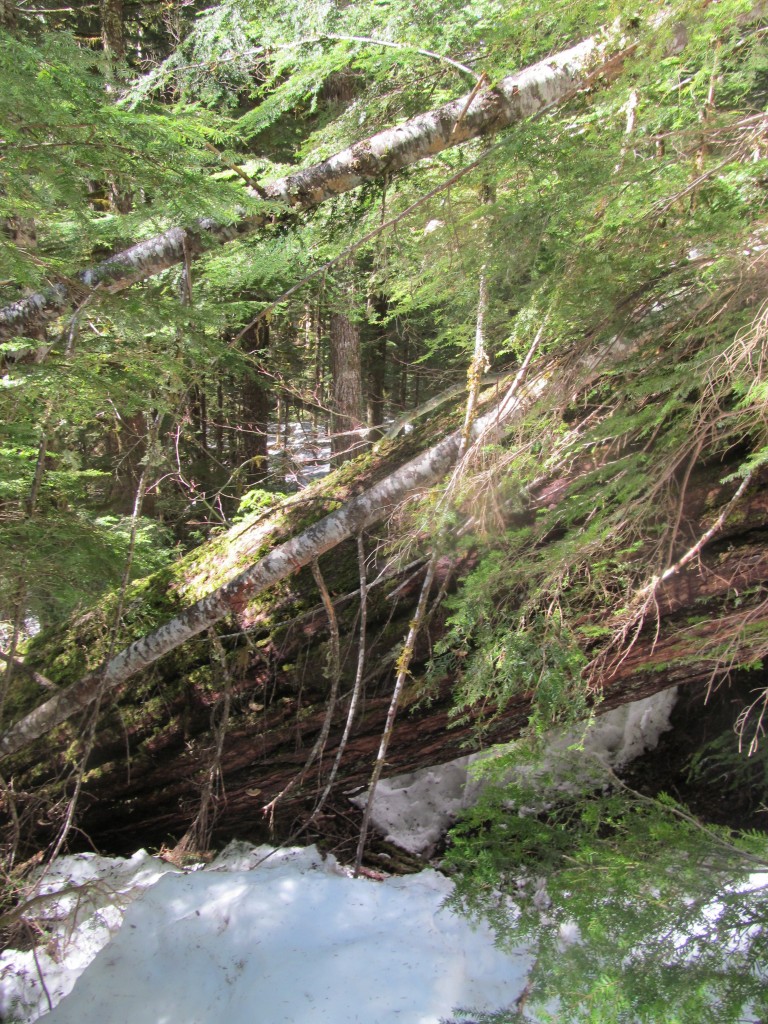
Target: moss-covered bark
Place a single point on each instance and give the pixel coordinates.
(154, 745)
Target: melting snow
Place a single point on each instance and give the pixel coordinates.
(287, 938)
(416, 809)
(293, 939)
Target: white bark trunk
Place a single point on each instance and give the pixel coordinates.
(513, 100)
(358, 514)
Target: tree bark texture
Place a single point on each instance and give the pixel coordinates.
(347, 384)
(8, 12)
(279, 692)
(112, 29)
(375, 354)
(513, 100)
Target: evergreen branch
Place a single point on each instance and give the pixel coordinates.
(683, 815)
(387, 42)
(347, 252)
(515, 99)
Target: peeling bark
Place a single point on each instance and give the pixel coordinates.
(513, 100)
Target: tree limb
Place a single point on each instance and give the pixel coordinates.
(368, 508)
(361, 512)
(511, 101)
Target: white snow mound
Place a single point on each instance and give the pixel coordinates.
(293, 941)
(416, 809)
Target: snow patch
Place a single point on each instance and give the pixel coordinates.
(621, 735)
(282, 936)
(295, 941)
(78, 906)
(416, 809)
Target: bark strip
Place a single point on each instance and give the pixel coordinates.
(514, 99)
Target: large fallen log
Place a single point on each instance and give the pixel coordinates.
(283, 560)
(485, 112)
(151, 754)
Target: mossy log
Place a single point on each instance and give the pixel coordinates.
(154, 745)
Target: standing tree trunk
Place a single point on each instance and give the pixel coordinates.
(347, 399)
(126, 443)
(376, 369)
(255, 397)
(112, 31)
(113, 41)
(7, 14)
(402, 355)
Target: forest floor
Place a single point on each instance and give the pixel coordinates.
(379, 945)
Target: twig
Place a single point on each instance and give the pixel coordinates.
(704, 539)
(403, 665)
(387, 42)
(435, 402)
(334, 671)
(477, 367)
(481, 81)
(355, 700)
(646, 597)
(631, 108)
(18, 663)
(38, 968)
(198, 835)
(9, 799)
(358, 686)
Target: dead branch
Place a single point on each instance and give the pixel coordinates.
(403, 665)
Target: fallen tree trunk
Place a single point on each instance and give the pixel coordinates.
(147, 764)
(512, 101)
(356, 515)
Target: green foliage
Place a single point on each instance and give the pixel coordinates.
(631, 910)
(723, 763)
(60, 559)
(652, 241)
(256, 502)
(495, 657)
(63, 141)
